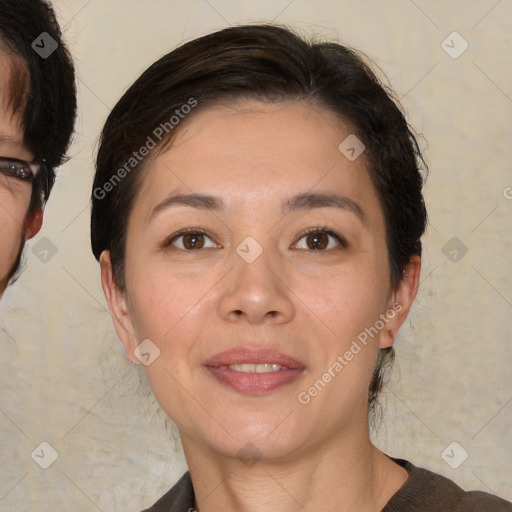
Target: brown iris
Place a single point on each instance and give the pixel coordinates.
(317, 240)
(193, 241)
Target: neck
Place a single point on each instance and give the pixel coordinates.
(341, 476)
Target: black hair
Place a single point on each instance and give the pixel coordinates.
(42, 88)
(270, 63)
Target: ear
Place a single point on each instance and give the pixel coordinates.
(33, 223)
(401, 301)
(116, 299)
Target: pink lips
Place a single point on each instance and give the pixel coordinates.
(253, 383)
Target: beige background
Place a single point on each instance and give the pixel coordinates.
(64, 378)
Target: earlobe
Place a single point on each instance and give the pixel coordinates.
(387, 338)
(401, 301)
(33, 224)
(116, 299)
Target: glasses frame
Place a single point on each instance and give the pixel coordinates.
(39, 176)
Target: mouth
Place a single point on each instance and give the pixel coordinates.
(254, 368)
(254, 371)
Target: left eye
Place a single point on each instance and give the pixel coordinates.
(319, 239)
(192, 240)
(16, 169)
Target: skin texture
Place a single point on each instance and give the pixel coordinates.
(15, 225)
(308, 304)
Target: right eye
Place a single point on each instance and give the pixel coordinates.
(13, 168)
(191, 239)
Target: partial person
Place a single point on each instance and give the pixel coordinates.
(37, 115)
(257, 212)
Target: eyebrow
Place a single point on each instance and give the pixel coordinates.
(310, 201)
(304, 201)
(198, 201)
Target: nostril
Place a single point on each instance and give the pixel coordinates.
(238, 311)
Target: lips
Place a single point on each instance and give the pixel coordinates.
(254, 371)
(250, 356)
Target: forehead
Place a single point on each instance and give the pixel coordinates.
(255, 156)
(261, 120)
(5, 78)
(250, 142)
(12, 97)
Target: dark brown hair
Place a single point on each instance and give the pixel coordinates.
(42, 90)
(270, 63)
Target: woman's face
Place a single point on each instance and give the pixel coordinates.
(284, 264)
(15, 193)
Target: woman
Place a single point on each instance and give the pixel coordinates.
(37, 115)
(257, 214)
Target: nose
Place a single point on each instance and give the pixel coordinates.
(256, 293)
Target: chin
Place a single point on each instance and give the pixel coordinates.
(253, 435)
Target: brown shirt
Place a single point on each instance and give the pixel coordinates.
(423, 491)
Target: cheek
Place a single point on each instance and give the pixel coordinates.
(174, 314)
(170, 310)
(12, 217)
(347, 310)
(349, 299)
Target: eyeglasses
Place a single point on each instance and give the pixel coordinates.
(19, 169)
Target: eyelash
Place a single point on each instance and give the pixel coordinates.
(14, 168)
(183, 232)
(196, 231)
(342, 241)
